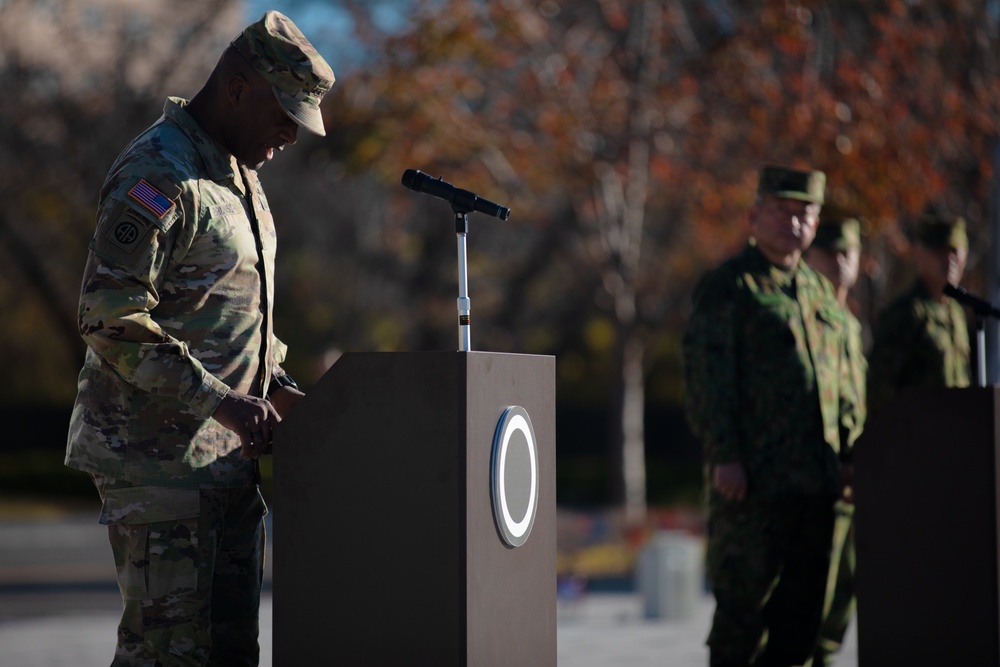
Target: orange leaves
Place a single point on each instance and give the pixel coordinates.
(894, 101)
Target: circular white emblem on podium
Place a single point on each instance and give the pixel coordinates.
(514, 476)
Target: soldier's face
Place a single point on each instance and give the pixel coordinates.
(839, 266)
(783, 228)
(848, 264)
(939, 266)
(260, 126)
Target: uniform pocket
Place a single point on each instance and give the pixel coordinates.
(154, 538)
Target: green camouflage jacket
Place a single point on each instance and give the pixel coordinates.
(767, 380)
(175, 308)
(919, 342)
(858, 365)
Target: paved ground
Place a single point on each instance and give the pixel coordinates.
(59, 607)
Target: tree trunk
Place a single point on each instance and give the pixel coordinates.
(627, 425)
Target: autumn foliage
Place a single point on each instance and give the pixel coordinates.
(625, 136)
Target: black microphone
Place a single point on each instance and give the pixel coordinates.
(460, 200)
(979, 305)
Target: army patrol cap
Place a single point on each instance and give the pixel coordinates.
(792, 183)
(942, 232)
(297, 73)
(838, 234)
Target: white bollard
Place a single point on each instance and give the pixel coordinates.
(669, 575)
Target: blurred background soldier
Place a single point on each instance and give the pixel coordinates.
(182, 383)
(769, 395)
(922, 339)
(836, 253)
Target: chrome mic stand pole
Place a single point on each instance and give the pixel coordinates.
(464, 303)
(462, 203)
(980, 351)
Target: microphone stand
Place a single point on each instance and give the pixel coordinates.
(980, 350)
(462, 203)
(982, 309)
(464, 303)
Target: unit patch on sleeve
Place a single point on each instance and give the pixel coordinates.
(124, 236)
(127, 230)
(151, 198)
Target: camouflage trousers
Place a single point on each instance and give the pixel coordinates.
(840, 599)
(190, 565)
(768, 561)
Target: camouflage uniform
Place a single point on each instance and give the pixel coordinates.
(919, 342)
(174, 312)
(768, 387)
(186, 600)
(175, 308)
(841, 602)
(920, 339)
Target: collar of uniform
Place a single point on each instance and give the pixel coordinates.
(761, 264)
(783, 277)
(218, 161)
(936, 305)
(920, 290)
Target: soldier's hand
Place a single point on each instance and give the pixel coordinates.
(284, 399)
(730, 479)
(251, 418)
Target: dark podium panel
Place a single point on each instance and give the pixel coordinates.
(386, 551)
(926, 531)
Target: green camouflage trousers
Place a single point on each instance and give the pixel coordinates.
(840, 600)
(190, 564)
(768, 562)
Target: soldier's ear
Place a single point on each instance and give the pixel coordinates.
(237, 88)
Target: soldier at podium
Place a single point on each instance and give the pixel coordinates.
(769, 394)
(836, 253)
(921, 338)
(182, 382)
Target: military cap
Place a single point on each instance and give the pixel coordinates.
(838, 234)
(936, 231)
(297, 73)
(792, 183)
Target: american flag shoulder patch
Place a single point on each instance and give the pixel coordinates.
(151, 198)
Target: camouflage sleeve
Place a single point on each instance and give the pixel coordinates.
(710, 367)
(120, 291)
(858, 365)
(278, 354)
(851, 418)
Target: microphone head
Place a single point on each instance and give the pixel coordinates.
(411, 178)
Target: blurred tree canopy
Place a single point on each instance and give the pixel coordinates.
(624, 135)
(81, 79)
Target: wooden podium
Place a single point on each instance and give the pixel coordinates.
(388, 549)
(926, 484)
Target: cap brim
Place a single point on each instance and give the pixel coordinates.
(938, 244)
(795, 194)
(303, 113)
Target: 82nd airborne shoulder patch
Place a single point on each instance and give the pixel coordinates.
(128, 222)
(127, 229)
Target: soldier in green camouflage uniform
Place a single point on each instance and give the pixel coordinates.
(835, 253)
(769, 395)
(182, 381)
(922, 339)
